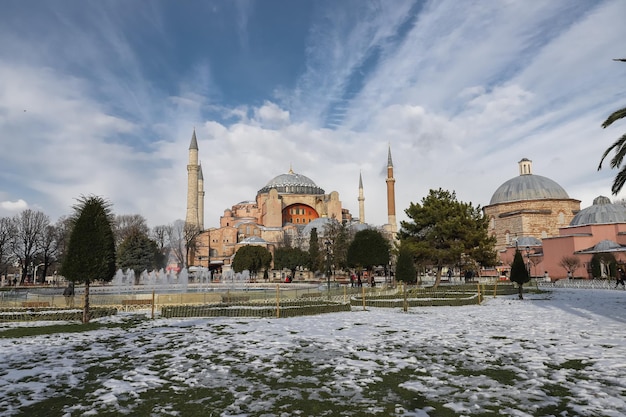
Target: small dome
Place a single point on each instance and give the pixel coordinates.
(601, 212)
(292, 183)
(606, 246)
(319, 224)
(527, 186)
(253, 240)
(524, 241)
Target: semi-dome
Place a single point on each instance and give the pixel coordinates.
(601, 212)
(320, 224)
(528, 186)
(524, 241)
(292, 183)
(253, 240)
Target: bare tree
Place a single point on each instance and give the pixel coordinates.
(64, 230)
(6, 234)
(29, 226)
(191, 232)
(176, 242)
(127, 224)
(535, 260)
(570, 264)
(48, 249)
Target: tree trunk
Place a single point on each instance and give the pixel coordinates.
(520, 289)
(86, 307)
(438, 276)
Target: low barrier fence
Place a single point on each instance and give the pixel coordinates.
(598, 284)
(281, 301)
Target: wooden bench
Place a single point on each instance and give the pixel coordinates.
(140, 302)
(35, 304)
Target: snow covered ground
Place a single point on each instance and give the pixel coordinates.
(560, 353)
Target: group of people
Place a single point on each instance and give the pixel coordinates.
(355, 280)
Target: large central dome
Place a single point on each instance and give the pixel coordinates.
(292, 183)
(527, 186)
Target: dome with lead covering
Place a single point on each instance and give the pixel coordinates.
(528, 186)
(292, 183)
(601, 212)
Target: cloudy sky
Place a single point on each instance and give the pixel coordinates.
(102, 98)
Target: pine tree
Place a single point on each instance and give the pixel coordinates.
(368, 249)
(137, 252)
(90, 253)
(405, 267)
(252, 258)
(519, 273)
(442, 230)
(315, 257)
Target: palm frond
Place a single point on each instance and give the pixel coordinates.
(619, 181)
(620, 146)
(616, 115)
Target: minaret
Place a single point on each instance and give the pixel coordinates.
(200, 198)
(192, 183)
(361, 201)
(391, 196)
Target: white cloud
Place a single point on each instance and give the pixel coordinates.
(462, 94)
(10, 208)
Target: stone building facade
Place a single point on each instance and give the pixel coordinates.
(287, 207)
(528, 206)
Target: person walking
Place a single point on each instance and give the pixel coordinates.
(68, 293)
(620, 278)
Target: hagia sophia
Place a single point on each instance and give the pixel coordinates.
(528, 212)
(283, 212)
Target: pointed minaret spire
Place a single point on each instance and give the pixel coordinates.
(392, 226)
(361, 201)
(192, 183)
(194, 141)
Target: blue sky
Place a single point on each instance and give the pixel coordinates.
(102, 98)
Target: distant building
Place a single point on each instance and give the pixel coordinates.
(528, 205)
(535, 215)
(282, 213)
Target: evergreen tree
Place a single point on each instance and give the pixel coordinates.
(603, 265)
(90, 253)
(405, 267)
(252, 258)
(442, 230)
(368, 249)
(315, 256)
(519, 273)
(139, 253)
(290, 258)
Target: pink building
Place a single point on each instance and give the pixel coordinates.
(598, 229)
